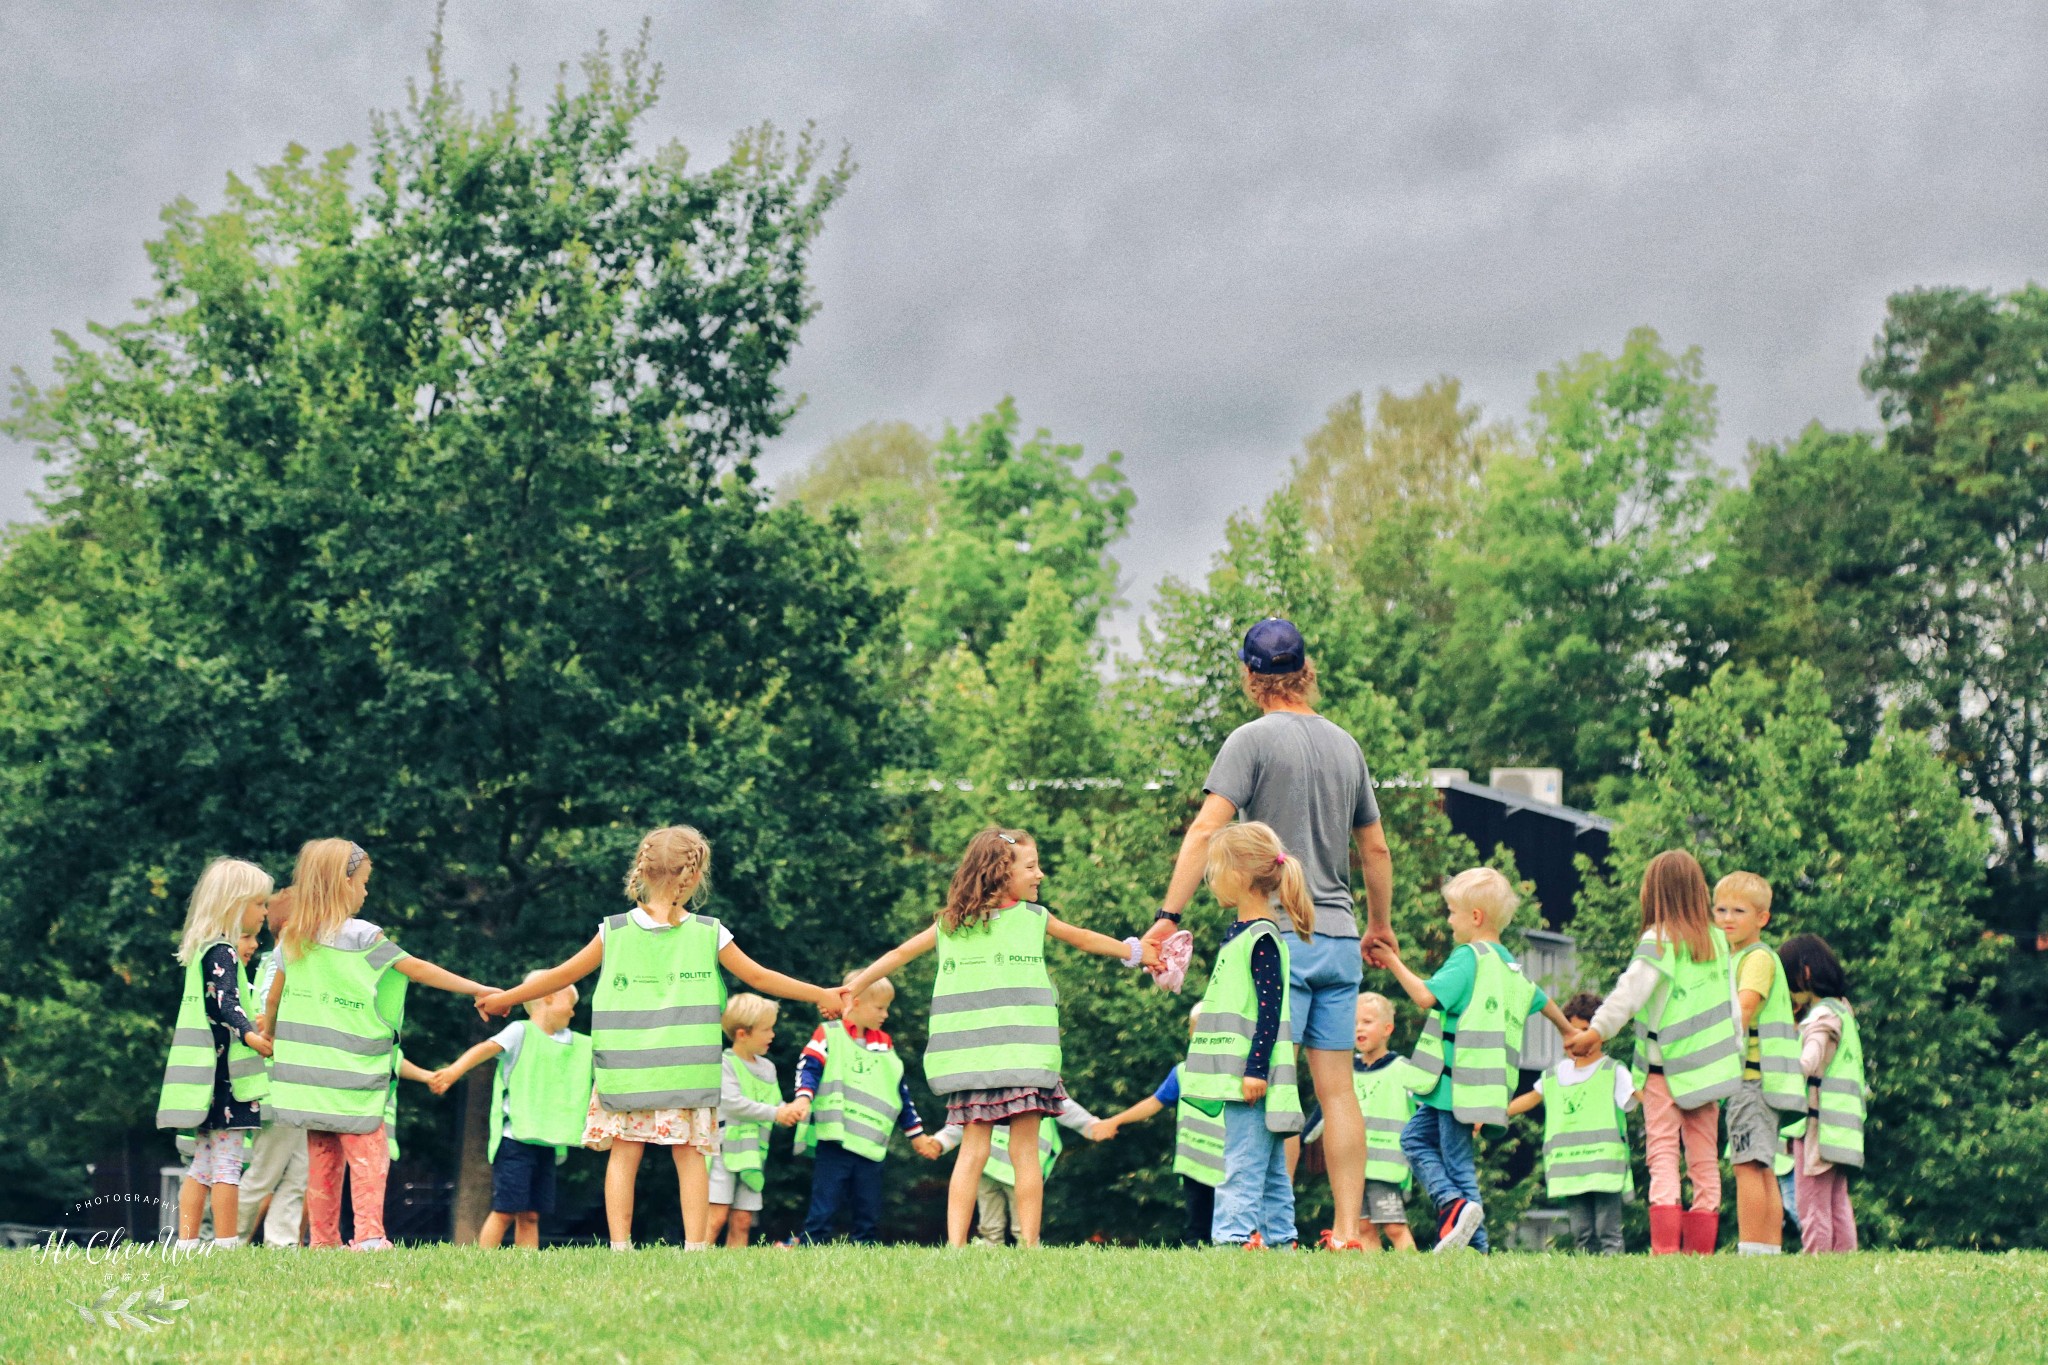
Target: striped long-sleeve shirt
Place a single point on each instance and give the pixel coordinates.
(810, 1070)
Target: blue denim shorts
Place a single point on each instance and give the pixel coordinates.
(1322, 984)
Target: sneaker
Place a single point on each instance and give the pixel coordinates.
(371, 1244)
(1254, 1243)
(1461, 1220)
(1329, 1242)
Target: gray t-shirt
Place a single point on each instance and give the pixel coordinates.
(1306, 777)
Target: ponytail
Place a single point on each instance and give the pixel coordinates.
(1255, 853)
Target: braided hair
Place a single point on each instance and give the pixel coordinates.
(674, 860)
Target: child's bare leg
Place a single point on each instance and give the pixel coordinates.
(1027, 1196)
(492, 1233)
(1759, 1207)
(227, 1209)
(191, 1208)
(621, 1173)
(742, 1228)
(716, 1227)
(1398, 1235)
(693, 1183)
(960, 1191)
(526, 1230)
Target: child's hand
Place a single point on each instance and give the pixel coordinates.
(257, 1042)
(842, 1004)
(1385, 956)
(927, 1147)
(440, 1082)
(1584, 1045)
(1102, 1131)
(1254, 1089)
(1148, 954)
(802, 1107)
(791, 1114)
(493, 1005)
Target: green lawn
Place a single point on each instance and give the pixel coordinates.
(918, 1304)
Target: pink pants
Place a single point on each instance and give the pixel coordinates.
(368, 1162)
(1666, 1127)
(1826, 1222)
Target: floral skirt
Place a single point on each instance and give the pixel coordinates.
(662, 1127)
(1000, 1106)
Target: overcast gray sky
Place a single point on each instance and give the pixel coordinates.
(1182, 230)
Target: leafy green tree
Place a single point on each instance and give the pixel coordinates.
(882, 474)
(1566, 635)
(423, 512)
(1884, 859)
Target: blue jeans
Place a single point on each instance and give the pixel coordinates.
(1323, 976)
(1439, 1151)
(841, 1177)
(1256, 1195)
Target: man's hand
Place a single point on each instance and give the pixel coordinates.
(1380, 946)
(1161, 930)
(257, 1042)
(927, 1147)
(1254, 1089)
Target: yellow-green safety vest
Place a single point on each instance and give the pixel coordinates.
(548, 1093)
(335, 1064)
(1223, 1034)
(187, 1092)
(999, 1168)
(1486, 1057)
(995, 1020)
(1697, 1030)
(1777, 1038)
(1837, 1097)
(1197, 1136)
(1386, 1096)
(743, 1143)
(1585, 1136)
(860, 1096)
(654, 1027)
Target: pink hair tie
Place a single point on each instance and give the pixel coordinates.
(1279, 858)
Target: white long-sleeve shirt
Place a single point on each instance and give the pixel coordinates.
(1071, 1116)
(733, 1104)
(1642, 985)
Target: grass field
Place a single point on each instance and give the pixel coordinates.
(1073, 1304)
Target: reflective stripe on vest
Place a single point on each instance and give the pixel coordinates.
(187, 1092)
(860, 1097)
(1387, 1100)
(1585, 1137)
(1487, 1058)
(999, 1168)
(548, 1093)
(743, 1143)
(1222, 1043)
(995, 1021)
(654, 1030)
(336, 1056)
(1777, 1037)
(1837, 1098)
(1697, 1032)
(1197, 1137)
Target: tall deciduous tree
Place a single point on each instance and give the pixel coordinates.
(423, 514)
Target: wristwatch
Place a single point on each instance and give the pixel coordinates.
(1171, 916)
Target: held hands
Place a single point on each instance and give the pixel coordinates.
(1381, 948)
(1254, 1089)
(791, 1114)
(1101, 1131)
(493, 1005)
(842, 1003)
(927, 1147)
(257, 1042)
(832, 1003)
(440, 1082)
(1584, 1045)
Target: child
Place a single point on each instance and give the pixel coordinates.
(1243, 1051)
(1197, 1145)
(1385, 1085)
(994, 1046)
(1470, 1049)
(1680, 989)
(749, 1099)
(540, 1091)
(1831, 1058)
(1771, 1083)
(654, 1025)
(1585, 1136)
(214, 1079)
(850, 1092)
(339, 1000)
(274, 1180)
(995, 1211)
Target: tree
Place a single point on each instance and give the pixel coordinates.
(424, 513)
(1565, 637)
(1884, 859)
(882, 473)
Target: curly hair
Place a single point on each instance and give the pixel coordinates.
(982, 877)
(1297, 688)
(675, 860)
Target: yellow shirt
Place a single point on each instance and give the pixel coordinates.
(1755, 975)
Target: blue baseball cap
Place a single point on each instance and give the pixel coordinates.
(1273, 646)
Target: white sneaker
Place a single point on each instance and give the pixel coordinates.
(1460, 1235)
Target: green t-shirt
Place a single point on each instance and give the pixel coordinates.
(1452, 987)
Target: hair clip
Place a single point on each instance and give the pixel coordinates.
(1004, 837)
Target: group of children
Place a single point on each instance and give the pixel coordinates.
(303, 1078)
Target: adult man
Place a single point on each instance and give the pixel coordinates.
(1307, 778)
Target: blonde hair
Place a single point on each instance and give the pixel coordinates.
(1483, 889)
(1675, 902)
(321, 902)
(574, 994)
(1746, 887)
(1255, 853)
(220, 898)
(746, 1010)
(1378, 1001)
(674, 858)
(980, 880)
(877, 984)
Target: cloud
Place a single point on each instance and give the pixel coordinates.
(1177, 230)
